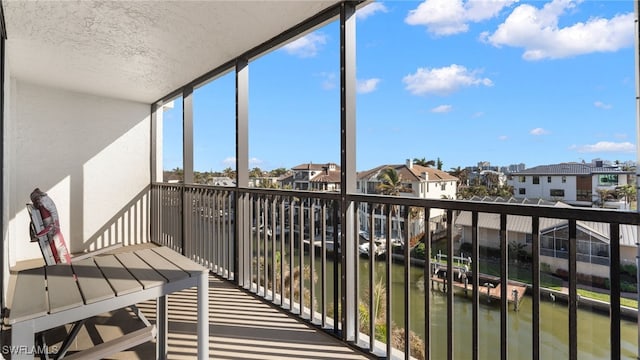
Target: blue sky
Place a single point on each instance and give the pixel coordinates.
(537, 82)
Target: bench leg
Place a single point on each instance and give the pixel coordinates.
(69, 339)
(162, 327)
(22, 341)
(203, 316)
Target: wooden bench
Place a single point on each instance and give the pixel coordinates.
(52, 296)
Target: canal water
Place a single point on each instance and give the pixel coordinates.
(593, 326)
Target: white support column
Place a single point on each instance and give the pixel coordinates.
(187, 160)
(242, 257)
(242, 123)
(187, 134)
(348, 166)
(156, 142)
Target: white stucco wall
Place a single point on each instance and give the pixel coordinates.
(90, 154)
(542, 190)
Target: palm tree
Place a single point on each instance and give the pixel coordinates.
(278, 172)
(603, 195)
(627, 191)
(229, 172)
(424, 162)
(256, 172)
(461, 174)
(391, 184)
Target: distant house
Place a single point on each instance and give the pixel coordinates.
(313, 177)
(573, 183)
(264, 181)
(592, 238)
(417, 181)
(221, 181)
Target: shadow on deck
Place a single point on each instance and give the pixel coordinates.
(242, 326)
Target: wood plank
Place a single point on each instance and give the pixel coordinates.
(120, 279)
(62, 288)
(30, 296)
(180, 261)
(166, 268)
(147, 276)
(93, 286)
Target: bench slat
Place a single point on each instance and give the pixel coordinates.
(180, 261)
(63, 290)
(167, 269)
(118, 276)
(140, 270)
(93, 285)
(30, 298)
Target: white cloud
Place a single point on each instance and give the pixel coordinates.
(253, 162)
(620, 136)
(329, 80)
(230, 161)
(368, 85)
(503, 137)
(605, 146)
(537, 30)
(442, 109)
(477, 114)
(306, 46)
(538, 131)
(370, 10)
(443, 81)
(448, 17)
(601, 105)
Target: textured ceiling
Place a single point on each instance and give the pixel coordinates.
(138, 50)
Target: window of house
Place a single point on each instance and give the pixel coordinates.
(564, 179)
(548, 179)
(556, 192)
(523, 179)
(443, 187)
(522, 191)
(608, 179)
(536, 179)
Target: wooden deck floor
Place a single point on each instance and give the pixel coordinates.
(241, 327)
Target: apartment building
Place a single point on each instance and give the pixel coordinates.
(578, 184)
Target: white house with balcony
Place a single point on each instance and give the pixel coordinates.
(577, 184)
(417, 181)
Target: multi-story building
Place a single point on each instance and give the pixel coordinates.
(579, 184)
(513, 168)
(417, 181)
(313, 177)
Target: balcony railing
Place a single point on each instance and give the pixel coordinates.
(304, 251)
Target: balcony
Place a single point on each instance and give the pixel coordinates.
(261, 262)
(83, 88)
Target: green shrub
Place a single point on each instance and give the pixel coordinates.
(630, 269)
(628, 287)
(418, 251)
(466, 247)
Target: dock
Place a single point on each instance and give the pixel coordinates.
(515, 291)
